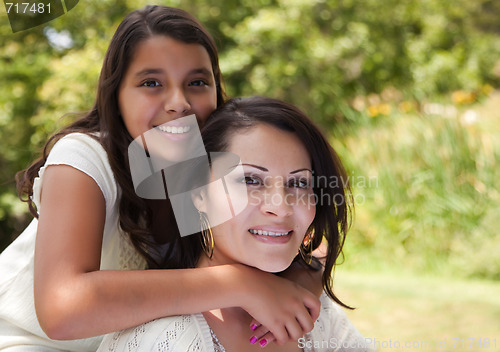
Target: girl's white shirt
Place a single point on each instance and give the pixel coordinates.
(18, 323)
(191, 333)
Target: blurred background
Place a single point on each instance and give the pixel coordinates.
(406, 92)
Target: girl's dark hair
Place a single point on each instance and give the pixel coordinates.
(331, 188)
(136, 214)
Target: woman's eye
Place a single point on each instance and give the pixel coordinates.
(251, 180)
(300, 183)
(151, 83)
(198, 83)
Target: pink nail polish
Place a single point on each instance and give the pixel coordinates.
(263, 342)
(253, 340)
(253, 327)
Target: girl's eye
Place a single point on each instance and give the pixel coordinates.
(151, 83)
(198, 83)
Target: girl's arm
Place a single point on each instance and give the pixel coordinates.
(74, 299)
(301, 275)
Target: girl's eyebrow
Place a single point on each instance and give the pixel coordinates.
(202, 70)
(266, 170)
(153, 71)
(149, 71)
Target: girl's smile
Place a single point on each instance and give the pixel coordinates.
(178, 130)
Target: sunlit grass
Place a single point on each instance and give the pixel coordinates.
(422, 313)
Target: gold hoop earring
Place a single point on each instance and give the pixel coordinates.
(306, 250)
(207, 237)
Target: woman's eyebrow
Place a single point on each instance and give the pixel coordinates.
(257, 167)
(266, 170)
(299, 170)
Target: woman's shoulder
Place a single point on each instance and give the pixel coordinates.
(169, 334)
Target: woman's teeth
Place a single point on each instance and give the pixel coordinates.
(174, 129)
(268, 233)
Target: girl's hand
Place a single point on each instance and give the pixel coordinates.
(305, 277)
(284, 307)
(261, 335)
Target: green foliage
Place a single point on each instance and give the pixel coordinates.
(41, 83)
(433, 198)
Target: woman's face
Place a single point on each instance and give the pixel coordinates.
(167, 80)
(278, 177)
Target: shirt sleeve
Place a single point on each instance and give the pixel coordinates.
(85, 154)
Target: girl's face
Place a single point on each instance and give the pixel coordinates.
(167, 79)
(278, 176)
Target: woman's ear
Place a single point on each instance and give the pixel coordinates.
(199, 199)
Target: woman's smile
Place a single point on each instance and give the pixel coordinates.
(271, 235)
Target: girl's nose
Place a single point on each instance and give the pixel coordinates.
(177, 103)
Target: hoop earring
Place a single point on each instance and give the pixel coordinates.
(207, 237)
(306, 250)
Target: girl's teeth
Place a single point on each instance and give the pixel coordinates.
(174, 129)
(268, 233)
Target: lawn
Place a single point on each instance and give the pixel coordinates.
(404, 312)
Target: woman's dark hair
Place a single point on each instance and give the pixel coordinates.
(136, 214)
(331, 188)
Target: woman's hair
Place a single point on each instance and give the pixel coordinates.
(333, 197)
(136, 214)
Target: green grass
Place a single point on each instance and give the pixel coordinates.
(397, 308)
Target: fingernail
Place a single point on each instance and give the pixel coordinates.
(263, 342)
(253, 326)
(253, 340)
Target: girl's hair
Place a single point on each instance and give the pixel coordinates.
(105, 123)
(333, 197)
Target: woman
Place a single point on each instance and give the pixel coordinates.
(288, 214)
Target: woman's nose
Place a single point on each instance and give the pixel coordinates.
(275, 202)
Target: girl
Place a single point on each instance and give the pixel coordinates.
(63, 278)
(285, 162)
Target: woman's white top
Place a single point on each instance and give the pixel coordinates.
(19, 328)
(191, 333)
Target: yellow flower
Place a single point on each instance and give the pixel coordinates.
(462, 97)
(373, 111)
(379, 109)
(405, 106)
